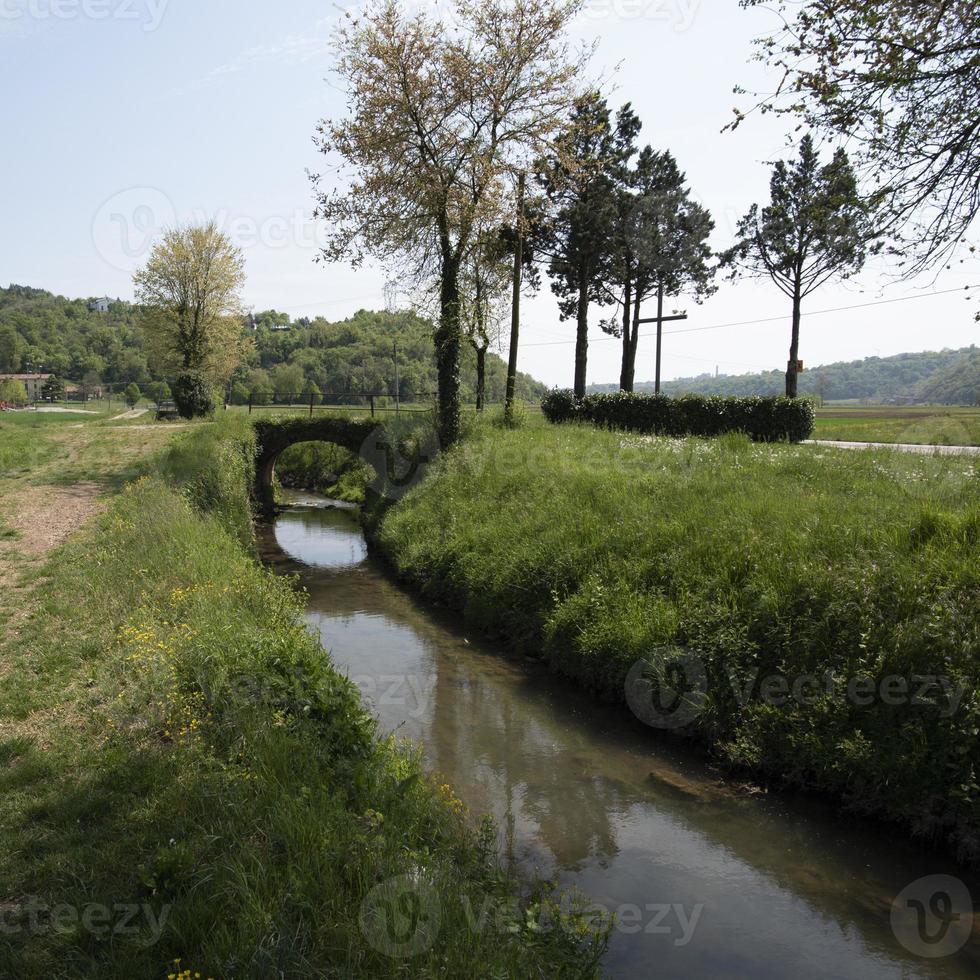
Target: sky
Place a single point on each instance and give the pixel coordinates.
(121, 117)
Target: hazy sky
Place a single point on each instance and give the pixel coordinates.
(121, 116)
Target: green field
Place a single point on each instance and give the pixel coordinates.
(595, 550)
(942, 426)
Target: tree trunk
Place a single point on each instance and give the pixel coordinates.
(582, 338)
(625, 375)
(481, 377)
(447, 353)
(794, 347)
(634, 343)
(510, 392)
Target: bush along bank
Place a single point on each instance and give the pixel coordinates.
(206, 788)
(761, 419)
(815, 609)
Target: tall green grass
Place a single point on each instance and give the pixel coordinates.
(596, 550)
(176, 740)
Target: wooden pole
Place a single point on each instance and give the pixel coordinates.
(660, 335)
(515, 309)
(660, 320)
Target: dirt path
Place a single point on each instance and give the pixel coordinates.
(43, 508)
(42, 518)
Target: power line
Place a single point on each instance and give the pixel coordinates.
(771, 319)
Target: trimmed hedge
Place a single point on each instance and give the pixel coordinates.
(762, 419)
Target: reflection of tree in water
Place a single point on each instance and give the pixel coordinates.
(505, 756)
(566, 770)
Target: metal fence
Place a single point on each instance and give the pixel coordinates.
(371, 402)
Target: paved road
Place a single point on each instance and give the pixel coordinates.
(906, 447)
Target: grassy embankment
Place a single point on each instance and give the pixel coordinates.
(173, 741)
(594, 549)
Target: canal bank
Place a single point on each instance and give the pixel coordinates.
(707, 877)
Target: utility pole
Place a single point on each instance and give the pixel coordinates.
(660, 320)
(515, 310)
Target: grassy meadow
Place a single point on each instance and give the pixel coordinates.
(765, 563)
(935, 426)
(184, 777)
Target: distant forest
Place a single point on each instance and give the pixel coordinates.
(947, 377)
(44, 333)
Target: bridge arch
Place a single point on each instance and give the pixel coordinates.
(273, 436)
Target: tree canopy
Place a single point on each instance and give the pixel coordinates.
(900, 80)
(190, 293)
(816, 227)
(440, 117)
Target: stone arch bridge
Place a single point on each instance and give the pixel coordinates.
(273, 436)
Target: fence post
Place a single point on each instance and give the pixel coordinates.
(250, 403)
(372, 406)
(311, 404)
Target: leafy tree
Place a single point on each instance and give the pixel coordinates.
(53, 389)
(664, 249)
(238, 394)
(899, 80)
(91, 383)
(580, 179)
(815, 228)
(158, 392)
(10, 350)
(132, 394)
(287, 381)
(259, 387)
(13, 392)
(441, 116)
(312, 394)
(189, 290)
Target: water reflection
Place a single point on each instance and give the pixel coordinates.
(715, 880)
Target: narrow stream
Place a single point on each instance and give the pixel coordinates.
(711, 879)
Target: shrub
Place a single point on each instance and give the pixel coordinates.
(13, 392)
(762, 419)
(158, 391)
(560, 405)
(132, 394)
(193, 396)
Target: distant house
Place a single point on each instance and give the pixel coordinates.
(100, 305)
(33, 383)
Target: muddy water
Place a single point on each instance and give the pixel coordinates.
(709, 878)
